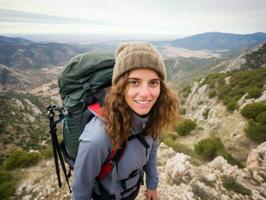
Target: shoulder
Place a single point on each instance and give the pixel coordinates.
(95, 131)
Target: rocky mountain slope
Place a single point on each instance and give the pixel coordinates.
(23, 122)
(179, 179)
(254, 58)
(214, 119)
(25, 80)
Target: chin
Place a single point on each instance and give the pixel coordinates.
(142, 112)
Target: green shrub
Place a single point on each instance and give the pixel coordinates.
(21, 158)
(206, 113)
(251, 110)
(183, 111)
(230, 159)
(261, 118)
(7, 185)
(184, 127)
(254, 92)
(212, 93)
(47, 153)
(208, 148)
(231, 184)
(201, 193)
(231, 105)
(181, 148)
(186, 91)
(256, 131)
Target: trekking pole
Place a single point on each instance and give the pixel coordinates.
(51, 114)
(61, 117)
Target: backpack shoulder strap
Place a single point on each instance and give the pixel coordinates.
(113, 158)
(140, 138)
(95, 108)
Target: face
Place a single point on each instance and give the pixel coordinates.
(142, 91)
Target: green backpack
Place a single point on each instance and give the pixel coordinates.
(82, 82)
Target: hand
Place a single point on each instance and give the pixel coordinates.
(151, 195)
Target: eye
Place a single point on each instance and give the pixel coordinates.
(154, 83)
(133, 83)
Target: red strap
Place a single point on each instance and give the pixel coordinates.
(95, 108)
(107, 166)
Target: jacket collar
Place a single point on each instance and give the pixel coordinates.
(139, 123)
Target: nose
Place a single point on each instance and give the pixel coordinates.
(144, 91)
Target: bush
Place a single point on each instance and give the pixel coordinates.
(231, 105)
(261, 118)
(230, 159)
(256, 131)
(231, 184)
(184, 127)
(206, 113)
(251, 110)
(21, 158)
(201, 193)
(7, 185)
(254, 92)
(183, 111)
(208, 148)
(181, 148)
(212, 94)
(186, 91)
(47, 153)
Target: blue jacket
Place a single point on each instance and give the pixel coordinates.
(94, 147)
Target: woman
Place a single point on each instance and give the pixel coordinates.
(137, 109)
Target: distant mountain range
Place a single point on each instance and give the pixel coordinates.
(21, 53)
(218, 41)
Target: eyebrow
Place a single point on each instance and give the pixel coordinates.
(134, 78)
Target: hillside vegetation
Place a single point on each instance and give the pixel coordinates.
(23, 122)
(230, 87)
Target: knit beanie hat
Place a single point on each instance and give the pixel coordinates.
(137, 55)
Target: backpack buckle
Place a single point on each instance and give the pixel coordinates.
(86, 86)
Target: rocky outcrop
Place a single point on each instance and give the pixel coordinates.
(244, 101)
(179, 179)
(186, 181)
(255, 58)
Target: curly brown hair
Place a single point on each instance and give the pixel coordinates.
(118, 116)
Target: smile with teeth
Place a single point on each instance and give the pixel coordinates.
(143, 102)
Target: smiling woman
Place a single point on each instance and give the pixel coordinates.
(137, 109)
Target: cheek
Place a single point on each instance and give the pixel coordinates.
(156, 93)
(129, 95)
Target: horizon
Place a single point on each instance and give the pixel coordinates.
(141, 17)
(90, 38)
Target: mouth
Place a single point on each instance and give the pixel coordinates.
(143, 102)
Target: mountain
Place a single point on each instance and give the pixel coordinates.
(14, 41)
(21, 53)
(254, 58)
(24, 123)
(24, 80)
(218, 41)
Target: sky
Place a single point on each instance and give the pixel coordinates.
(162, 17)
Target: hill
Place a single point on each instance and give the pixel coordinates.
(23, 123)
(25, 54)
(227, 43)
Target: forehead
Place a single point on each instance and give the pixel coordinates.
(143, 73)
